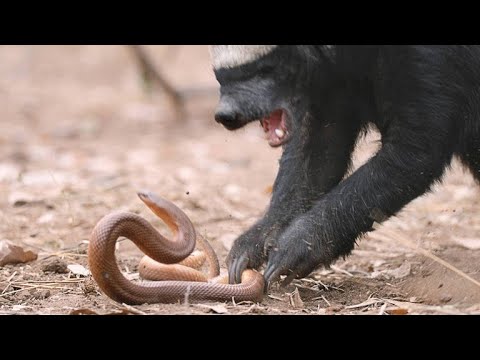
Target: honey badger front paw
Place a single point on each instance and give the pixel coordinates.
(297, 251)
(249, 250)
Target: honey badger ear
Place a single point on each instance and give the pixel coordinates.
(229, 56)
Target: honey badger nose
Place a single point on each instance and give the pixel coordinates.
(227, 115)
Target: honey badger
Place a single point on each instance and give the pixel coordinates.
(315, 101)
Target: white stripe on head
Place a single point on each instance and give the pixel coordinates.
(229, 56)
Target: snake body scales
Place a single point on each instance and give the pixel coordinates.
(184, 282)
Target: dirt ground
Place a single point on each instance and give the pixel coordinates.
(80, 135)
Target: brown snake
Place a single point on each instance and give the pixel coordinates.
(184, 283)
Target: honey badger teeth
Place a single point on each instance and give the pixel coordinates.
(280, 133)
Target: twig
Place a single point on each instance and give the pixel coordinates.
(314, 282)
(364, 273)
(304, 287)
(324, 286)
(324, 299)
(337, 288)
(336, 268)
(9, 282)
(66, 281)
(151, 73)
(132, 309)
(382, 309)
(245, 302)
(42, 286)
(11, 276)
(37, 287)
(64, 252)
(364, 304)
(248, 310)
(11, 292)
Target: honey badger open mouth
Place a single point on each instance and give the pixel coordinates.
(275, 127)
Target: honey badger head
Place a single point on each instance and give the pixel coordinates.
(270, 83)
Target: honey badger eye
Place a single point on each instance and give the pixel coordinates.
(266, 69)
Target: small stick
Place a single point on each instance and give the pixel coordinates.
(336, 268)
(30, 287)
(248, 310)
(9, 282)
(71, 281)
(151, 73)
(321, 283)
(11, 276)
(382, 309)
(35, 287)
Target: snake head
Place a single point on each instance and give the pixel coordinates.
(172, 215)
(147, 196)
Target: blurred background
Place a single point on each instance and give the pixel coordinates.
(84, 127)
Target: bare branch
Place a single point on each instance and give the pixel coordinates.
(152, 75)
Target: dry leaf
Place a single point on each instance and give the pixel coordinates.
(218, 309)
(397, 311)
(295, 300)
(77, 269)
(14, 254)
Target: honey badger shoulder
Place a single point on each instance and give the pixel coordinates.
(315, 101)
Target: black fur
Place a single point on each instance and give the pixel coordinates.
(424, 100)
